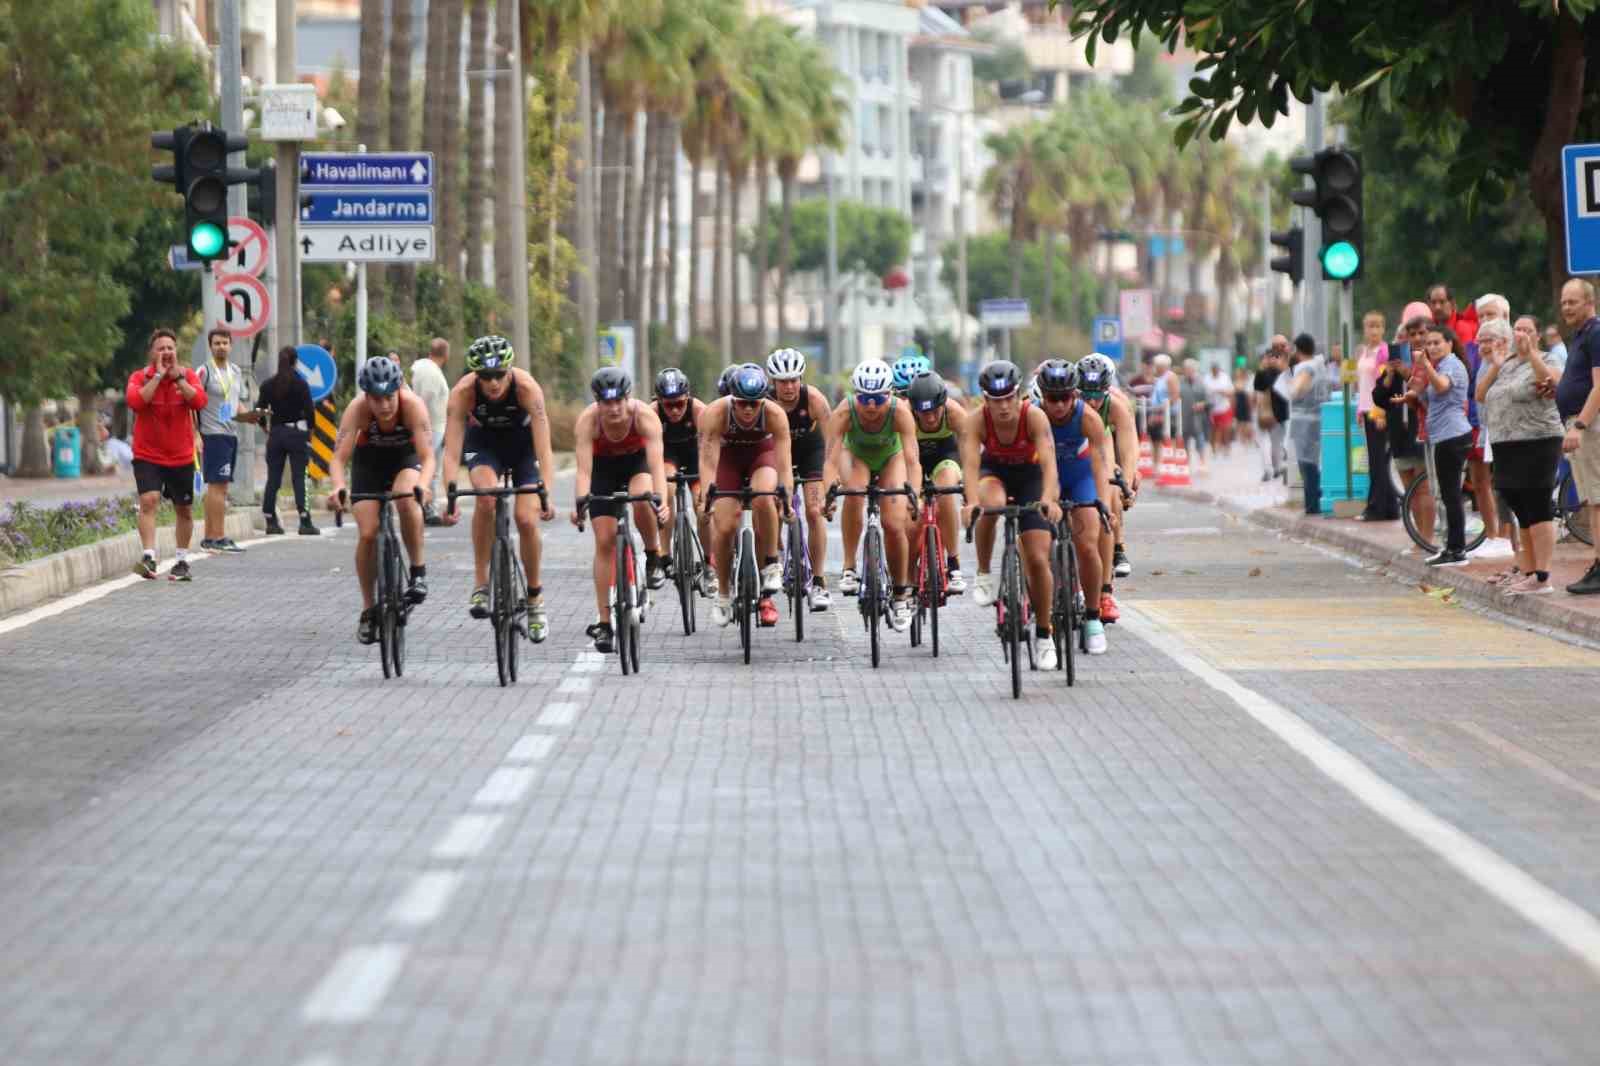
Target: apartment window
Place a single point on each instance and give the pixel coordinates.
(947, 85)
(889, 138)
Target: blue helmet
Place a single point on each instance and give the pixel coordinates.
(907, 368)
(749, 383)
(380, 376)
(1057, 376)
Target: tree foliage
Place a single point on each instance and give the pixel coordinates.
(989, 260)
(875, 238)
(84, 86)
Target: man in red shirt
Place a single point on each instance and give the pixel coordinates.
(164, 397)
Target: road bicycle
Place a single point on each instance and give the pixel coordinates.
(508, 591)
(1067, 601)
(1572, 510)
(797, 574)
(744, 573)
(1433, 540)
(931, 592)
(688, 554)
(876, 595)
(1013, 612)
(629, 596)
(392, 606)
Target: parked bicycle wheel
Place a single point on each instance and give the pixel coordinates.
(1433, 540)
(1572, 511)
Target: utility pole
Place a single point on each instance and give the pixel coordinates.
(1269, 288)
(1316, 290)
(287, 311)
(963, 355)
(588, 297)
(243, 488)
(518, 198)
(830, 297)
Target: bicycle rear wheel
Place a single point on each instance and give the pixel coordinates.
(872, 591)
(1011, 595)
(1573, 511)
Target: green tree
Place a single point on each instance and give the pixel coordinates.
(876, 238)
(990, 264)
(1514, 72)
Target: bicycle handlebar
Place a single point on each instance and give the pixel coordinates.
(452, 494)
(746, 496)
(680, 478)
(581, 504)
(346, 496)
(1010, 510)
(1104, 512)
(873, 492)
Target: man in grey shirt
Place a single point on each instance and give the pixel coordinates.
(1308, 391)
(227, 402)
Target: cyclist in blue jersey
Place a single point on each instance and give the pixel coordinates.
(1080, 441)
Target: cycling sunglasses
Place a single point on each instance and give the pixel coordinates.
(1058, 397)
(492, 375)
(872, 399)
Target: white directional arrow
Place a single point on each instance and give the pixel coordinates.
(313, 376)
(419, 173)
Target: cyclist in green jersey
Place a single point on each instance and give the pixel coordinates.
(872, 436)
(939, 419)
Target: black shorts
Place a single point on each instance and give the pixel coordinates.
(500, 452)
(930, 453)
(1024, 483)
(809, 453)
(611, 473)
(373, 470)
(176, 483)
(685, 455)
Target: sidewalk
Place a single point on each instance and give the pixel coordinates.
(1233, 482)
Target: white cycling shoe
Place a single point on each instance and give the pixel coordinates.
(984, 589)
(820, 600)
(722, 611)
(772, 579)
(1046, 656)
(954, 583)
(1094, 632)
(849, 583)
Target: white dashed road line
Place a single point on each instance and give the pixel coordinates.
(505, 786)
(558, 714)
(355, 986)
(426, 899)
(467, 835)
(531, 747)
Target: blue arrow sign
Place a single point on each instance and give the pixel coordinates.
(318, 368)
(357, 170)
(367, 208)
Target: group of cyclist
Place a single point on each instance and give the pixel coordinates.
(1067, 442)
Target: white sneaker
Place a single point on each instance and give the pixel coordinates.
(772, 579)
(1095, 632)
(722, 611)
(849, 583)
(820, 600)
(1047, 654)
(900, 614)
(1493, 548)
(954, 583)
(1121, 567)
(984, 589)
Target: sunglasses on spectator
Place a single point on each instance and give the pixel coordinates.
(872, 399)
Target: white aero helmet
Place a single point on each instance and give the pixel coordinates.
(786, 364)
(872, 376)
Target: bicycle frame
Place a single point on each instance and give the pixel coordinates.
(389, 597)
(509, 619)
(742, 573)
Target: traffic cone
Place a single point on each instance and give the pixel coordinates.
(1147, 461)
(1176, 472)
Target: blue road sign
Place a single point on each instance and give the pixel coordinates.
(1580, 180)
(361, 170)
(178, 258)
(1108, 336)
(367, 208)
(318, 368)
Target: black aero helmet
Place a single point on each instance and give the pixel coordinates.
(725, 379)
(380, 376)
(1096, 374)
(1057, 376)
(672, 383)
(749, 383)
(610, 383)
(928, 392)
(999, 378)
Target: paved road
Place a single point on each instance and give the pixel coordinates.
(1347, 823)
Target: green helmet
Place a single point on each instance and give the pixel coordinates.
(490, 353)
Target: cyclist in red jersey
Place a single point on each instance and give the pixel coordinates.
(618, 441)
(1008, 452)
(745, 437)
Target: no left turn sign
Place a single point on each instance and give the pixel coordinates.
(246, 308)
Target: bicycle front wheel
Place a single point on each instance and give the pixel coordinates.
(872, 591)
(683, 560)
(1431, 540)
(934, 582)
(795, 541)
(748, 584)
(1573, 511)
(1011, 592)
(387, 595)
(622, 594)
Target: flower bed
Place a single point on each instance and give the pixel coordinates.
(29, 532)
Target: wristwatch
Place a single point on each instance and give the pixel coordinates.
(1580, 424)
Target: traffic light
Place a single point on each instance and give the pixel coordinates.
(201, 173)
(1293, 261)
(1335, 197)
(265, 190)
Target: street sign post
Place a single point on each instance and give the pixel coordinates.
(178, 258)
(246, 307)
(366, 207)
(289, 112)
(1136, 308)
(1005, 313)
(1108, 337)
(1580, 181)
(315, 364)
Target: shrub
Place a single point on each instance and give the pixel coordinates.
(29, 532)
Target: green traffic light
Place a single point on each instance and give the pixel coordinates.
(1341, 260)
(207, 240)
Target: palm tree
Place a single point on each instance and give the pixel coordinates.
(816, 81)
(477, 108)
(449, 167)
(369, 110)
(505, 130)
(402, 282)
(714, 66)
(1011, 186)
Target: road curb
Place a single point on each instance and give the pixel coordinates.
(40, 580)
(1544, 611)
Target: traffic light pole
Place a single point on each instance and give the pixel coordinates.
(243, 489)
(287, 311)
(1316, 290)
